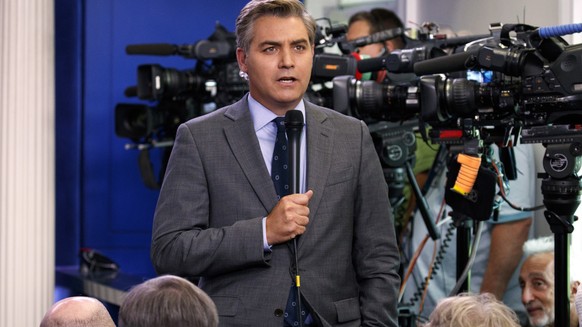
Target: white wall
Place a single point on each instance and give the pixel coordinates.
(474, 16)
(339, 11)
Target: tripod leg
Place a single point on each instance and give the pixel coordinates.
(463, 240)
(421, 202)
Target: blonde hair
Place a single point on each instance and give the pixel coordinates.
(472, 310)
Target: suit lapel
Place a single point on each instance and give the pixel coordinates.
(319, 147)
(243, 142)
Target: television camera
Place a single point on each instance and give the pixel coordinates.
(180, 94)
(535, 92)
(328, 65)
(534, 96)
(175, 96)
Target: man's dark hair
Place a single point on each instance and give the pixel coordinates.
(380, 19)
(385, 20)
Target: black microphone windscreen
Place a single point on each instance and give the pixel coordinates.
(159, 49)
(461, 40)
(293, 128)
(130, 91)
(371, 64)
(293, 119)
(378, 37)
(446, 64)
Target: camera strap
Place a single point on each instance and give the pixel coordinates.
(146, 169)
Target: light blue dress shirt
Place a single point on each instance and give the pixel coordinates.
(266, 133)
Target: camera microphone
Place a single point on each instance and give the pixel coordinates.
(372, 64)
(157, 49)
(401, 60)
(130, 91)
(378, 37)
(202, 49)
(447, 64)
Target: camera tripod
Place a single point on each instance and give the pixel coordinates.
(396, 146)
(561, 192)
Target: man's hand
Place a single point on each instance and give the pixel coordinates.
(289, 218)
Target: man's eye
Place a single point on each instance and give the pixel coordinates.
(538, 284)
(269, 49)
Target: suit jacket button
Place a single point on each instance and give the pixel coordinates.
(279, 312)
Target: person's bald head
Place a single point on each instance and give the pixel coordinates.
(77, 311)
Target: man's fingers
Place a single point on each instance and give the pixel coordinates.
(302, 198)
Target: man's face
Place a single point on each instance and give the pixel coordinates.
(536, 279)
(361, 28)
(278, 62)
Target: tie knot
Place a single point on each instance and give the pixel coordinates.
(280, 123)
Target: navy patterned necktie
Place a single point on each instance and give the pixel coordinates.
(280, 176)
(279, 166)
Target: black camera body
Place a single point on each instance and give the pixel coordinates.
(536, 85)
(180, 94)
(536, 82)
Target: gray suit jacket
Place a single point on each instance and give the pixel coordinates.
(216, 191)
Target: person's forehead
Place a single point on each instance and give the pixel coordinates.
(537, 265)
(271, 27)
(358, 29)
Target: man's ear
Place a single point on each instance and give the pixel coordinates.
(241, 58)
(574, 286)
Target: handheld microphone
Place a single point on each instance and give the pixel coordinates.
(293, 128)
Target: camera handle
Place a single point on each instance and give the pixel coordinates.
(561, 193)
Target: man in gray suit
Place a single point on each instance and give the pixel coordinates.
(219, 218)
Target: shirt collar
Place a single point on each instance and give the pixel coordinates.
(263, 116)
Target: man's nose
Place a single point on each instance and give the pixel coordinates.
(286, 58)
(526, 295)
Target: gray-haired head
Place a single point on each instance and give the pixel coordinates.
(167, 300)
(256, 9)
(538, 245)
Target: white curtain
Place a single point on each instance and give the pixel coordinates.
(27, 156)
